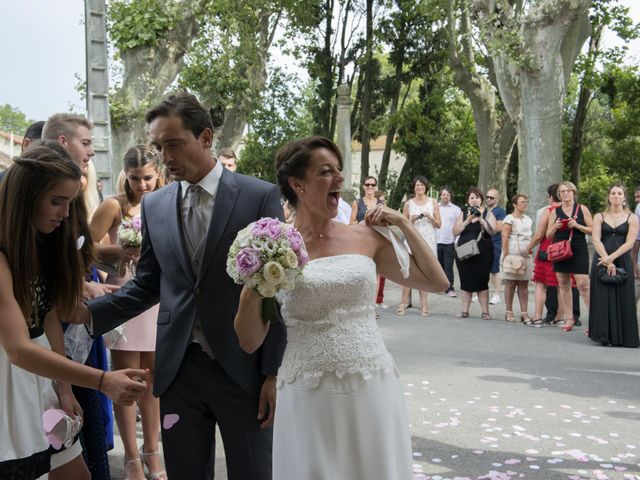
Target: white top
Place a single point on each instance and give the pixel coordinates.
(344, 212)
(638, 215)
(448, 216)
(339, 336)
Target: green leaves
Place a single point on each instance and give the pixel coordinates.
(140, 23)
(13, 120)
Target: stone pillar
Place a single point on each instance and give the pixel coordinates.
(343, 137)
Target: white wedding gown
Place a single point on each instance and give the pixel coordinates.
(340, 413)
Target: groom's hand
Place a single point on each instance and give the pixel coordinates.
(267, 401)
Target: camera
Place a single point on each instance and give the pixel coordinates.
(475, 211)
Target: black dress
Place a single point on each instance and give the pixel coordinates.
(612, 308)
(579, 263)
(474, 272)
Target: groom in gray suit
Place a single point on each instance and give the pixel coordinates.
(201, 375)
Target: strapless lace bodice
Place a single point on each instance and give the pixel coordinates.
(330, 321)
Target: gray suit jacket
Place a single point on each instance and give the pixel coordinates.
(164, 274)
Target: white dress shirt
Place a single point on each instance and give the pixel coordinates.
(209, 184)
(448, 215)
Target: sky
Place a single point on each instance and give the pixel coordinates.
(43, 53)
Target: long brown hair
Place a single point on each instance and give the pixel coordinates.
(137, 157)
(30, 253)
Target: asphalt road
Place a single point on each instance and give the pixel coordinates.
(496, 401)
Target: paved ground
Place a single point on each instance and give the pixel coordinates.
(491, 400)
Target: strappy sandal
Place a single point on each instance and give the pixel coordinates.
(538, 323)
(508, 317)
(160, 474)
(485, 316)
(402, 309)
(424, 312)
(526, 319)
(132, 462)
(462, 315)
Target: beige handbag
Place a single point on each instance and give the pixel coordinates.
(515, 264)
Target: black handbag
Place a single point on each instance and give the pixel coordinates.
(617, 279)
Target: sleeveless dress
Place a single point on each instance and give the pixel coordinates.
(474, 272)
(340, 412)
(25, 453)
(579, 263)
(139, 332)
(424, 226)
(612, 308)
(362, 208)
(543, 269)
(519, 239)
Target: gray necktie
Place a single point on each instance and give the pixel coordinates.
(194, 226)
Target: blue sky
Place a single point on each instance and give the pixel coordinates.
(43, 52)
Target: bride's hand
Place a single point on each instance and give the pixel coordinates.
(384, 216)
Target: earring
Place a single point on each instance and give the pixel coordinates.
(301, 190)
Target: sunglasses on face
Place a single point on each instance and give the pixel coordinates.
(489, 197)
(370, 184)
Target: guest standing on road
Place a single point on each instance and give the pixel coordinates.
(516, 235)
(475, 223)
(424, 213)
(570, 220)
(445, 237)
(612, 312)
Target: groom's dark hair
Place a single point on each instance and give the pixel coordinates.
(292, 160)
(186, 106)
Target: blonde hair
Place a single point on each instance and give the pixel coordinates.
(64, 124)
(571, 186)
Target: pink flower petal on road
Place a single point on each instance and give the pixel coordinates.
(169, 420)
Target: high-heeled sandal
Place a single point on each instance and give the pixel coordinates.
(538, 323)
(568, 324)
(485, 316)
(402, 309)
(131, 462)
(424, 312)
(462, 315)
(160, 474)
(508, 317)
(526, 319)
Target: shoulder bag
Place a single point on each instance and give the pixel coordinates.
(469, 249)
(561, 251)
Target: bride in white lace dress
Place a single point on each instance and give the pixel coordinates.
(340, 411)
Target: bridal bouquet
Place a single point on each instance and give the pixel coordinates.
(129, 235)
(130, 232)
(268, 256)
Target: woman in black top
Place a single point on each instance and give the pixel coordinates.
(475, 221)
(570, 220)
(612, 312)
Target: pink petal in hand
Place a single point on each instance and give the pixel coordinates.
(169, 420)
(50, 418)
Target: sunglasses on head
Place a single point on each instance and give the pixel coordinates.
(370, 184)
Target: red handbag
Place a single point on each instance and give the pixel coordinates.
(561, 251)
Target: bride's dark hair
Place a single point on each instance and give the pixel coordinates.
(292, 160)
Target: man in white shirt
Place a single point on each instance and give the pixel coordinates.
(445, 238)
(344, 212)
